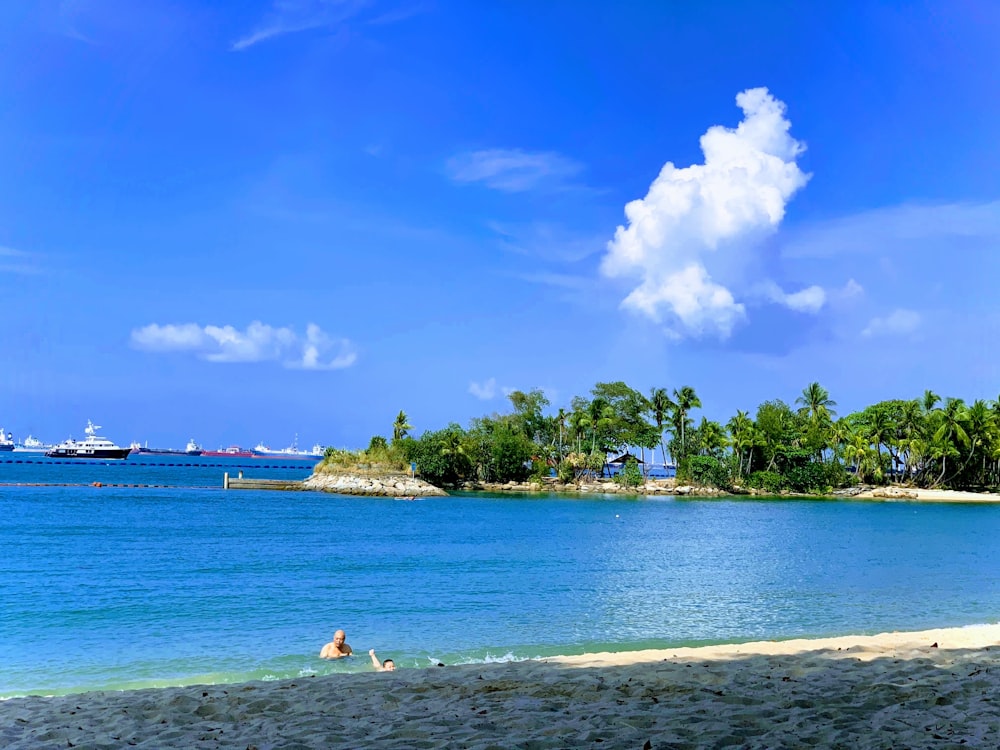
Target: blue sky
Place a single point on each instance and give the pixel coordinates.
(242, 221)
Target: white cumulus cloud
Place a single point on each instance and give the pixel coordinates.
(485, 390)
(696, 222)
(259, 342)
(897, 323)
(692, 298)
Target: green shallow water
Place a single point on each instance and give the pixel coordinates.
(115, 588)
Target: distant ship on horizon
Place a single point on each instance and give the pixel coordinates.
(233, 451)
(192, 449)
(6, 441)
(31, 445)
(292, 451)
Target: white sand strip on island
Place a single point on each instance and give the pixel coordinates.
(914, 494)
(936, 688)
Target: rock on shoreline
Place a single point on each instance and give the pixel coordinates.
(389, 484)
(594, 487)
(379, 485)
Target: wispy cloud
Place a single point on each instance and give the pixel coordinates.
(705, 221)
(899, 322)
(561, 280)
(292, 16)
(513, 170)
(851, 289)
(808, 300)
(486, 390)
(399, 14)
(905, 228)
(17, 261)
(548, 241)
(257, 343)
(68, 17)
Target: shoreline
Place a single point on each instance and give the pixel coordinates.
(928, 496)
(913, 689)
(669, 488)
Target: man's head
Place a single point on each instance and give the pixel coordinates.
(389, 665)
(338, 638)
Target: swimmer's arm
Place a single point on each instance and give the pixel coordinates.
(375, 662)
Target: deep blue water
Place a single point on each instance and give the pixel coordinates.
(114, 587)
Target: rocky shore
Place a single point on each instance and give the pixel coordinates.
(670, 487)
(375, 484)
(397, 484)
(593, 487)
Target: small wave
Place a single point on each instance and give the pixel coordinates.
(489, 658)
(980, 625)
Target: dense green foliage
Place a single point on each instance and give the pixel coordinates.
(925, 442)
(705, 470)
(630, 475)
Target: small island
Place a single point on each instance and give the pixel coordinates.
(621, 441)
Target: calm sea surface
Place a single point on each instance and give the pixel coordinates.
(121, 587)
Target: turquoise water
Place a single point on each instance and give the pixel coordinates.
(119, 587)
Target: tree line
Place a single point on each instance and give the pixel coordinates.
(802, 447)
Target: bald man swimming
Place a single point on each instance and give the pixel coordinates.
(336, 648)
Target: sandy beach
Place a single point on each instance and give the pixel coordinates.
(929, 496)
(935, 688)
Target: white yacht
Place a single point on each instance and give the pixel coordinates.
(94, 446)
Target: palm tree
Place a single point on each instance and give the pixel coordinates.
(816, 407)
(980, 427)
(400, 427)
(881, 431)
(741, 429)
(859, 452)
(453, 445)
(598, 410)
(840, 435)
(561, 421)
(660, 405)
(685, 400)
(713, 437)
(579, 423)
(911, 427)
(816, 403)
(942, 449)
(951, 433)
(929, 400)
